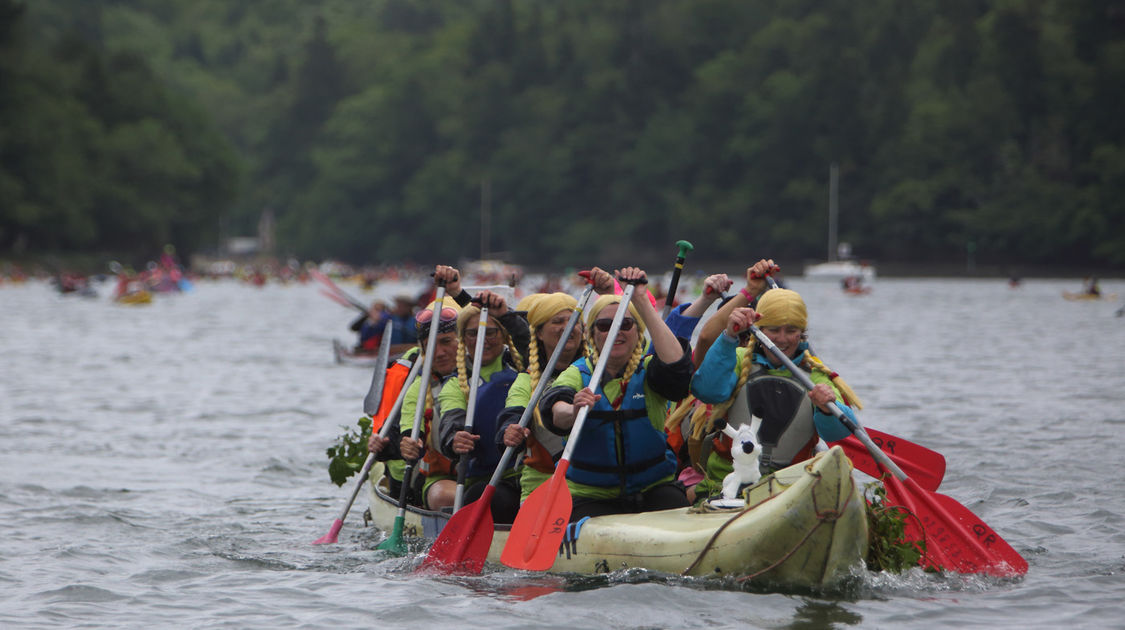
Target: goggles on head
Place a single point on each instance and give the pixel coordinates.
(424, 316)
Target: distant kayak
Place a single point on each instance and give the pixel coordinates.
(1088, 296)
(347, 356)
(135, 298)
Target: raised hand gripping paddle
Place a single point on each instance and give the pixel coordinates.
(956, 539)
(371, 404)
(463, 544)
(533, 542)
(394, 543)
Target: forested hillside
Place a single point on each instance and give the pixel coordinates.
(600, 130)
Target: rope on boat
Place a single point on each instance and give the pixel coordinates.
(822, 517)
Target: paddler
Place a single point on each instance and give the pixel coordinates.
(502, 359)
(622, 462)
(738, 377)
(547, 315)
(398, 445)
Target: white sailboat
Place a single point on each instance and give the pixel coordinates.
(840, 263)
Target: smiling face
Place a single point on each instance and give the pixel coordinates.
(626, 340)
(787, 338)
(493, 339)
(550, 332)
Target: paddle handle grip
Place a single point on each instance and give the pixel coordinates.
(852, 426)
(684, 248)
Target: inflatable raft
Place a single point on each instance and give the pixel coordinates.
(804, 525)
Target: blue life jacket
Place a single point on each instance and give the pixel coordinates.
(491, 399)
(620, 447)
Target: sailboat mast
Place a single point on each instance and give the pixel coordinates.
(833, 208)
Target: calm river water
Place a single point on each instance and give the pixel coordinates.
(164, 466)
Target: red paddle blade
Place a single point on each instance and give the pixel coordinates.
(956, 539)
(463, 544)
(533, 543)
(925, 466)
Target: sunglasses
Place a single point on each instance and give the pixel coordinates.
(489, 333)
(604, 324)
(424, 316)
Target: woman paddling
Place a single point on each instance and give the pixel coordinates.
(738, 379)
(500, 361)
(547, 315)
(622, 462)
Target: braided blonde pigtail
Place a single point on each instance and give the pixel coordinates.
(634, 361)
(533, 359)
(845, 390)
(462, 368)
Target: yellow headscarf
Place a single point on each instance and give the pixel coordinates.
(547, 305)
(782, 307)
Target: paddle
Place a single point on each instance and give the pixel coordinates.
(340, 300)
(534, 539)
(394, 544)
(340, 294)
(375, 392)
(463, 544)
(925, 466)
(956, 539)
(471, 410)
(685, 247)
(371, 407)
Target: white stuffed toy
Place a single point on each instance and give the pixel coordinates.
(746, 453)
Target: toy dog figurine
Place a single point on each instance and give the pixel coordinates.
(746, 453)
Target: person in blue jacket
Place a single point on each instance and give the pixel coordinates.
(739, 379)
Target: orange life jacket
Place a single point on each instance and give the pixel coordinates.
(393, 382)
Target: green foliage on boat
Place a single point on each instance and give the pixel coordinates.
(349, 452)
(886, 528)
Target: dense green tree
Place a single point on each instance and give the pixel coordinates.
(604, 130)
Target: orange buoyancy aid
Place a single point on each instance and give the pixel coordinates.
(393, 382)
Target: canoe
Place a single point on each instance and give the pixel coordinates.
(1088, 296)
(347, 356)
(803, 526)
